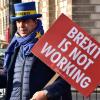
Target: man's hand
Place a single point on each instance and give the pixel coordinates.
(40, 95)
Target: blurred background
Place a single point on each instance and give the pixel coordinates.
(85, 13)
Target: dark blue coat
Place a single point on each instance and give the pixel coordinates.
(40, 74)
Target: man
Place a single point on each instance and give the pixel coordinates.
(26, 75)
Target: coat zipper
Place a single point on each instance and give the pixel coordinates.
(22, 74)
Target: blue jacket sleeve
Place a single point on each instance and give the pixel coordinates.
(58, 88)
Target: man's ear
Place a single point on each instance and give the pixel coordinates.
(36, 21)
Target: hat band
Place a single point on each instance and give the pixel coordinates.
(23, 13)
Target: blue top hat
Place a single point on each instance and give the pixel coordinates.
(25, 11)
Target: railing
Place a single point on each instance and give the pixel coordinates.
(94, 96)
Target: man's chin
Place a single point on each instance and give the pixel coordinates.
(23, 33)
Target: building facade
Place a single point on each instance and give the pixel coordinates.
(87, 14)
(4, 18)
(84, 12)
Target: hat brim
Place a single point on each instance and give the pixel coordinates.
(33, 16)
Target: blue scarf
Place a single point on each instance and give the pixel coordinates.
(26, 43)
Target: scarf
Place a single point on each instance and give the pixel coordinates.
(26, 43)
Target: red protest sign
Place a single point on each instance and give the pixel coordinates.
(72, 53)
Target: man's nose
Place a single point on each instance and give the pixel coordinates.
(22, 23)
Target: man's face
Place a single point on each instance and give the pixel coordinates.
(25, 27)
